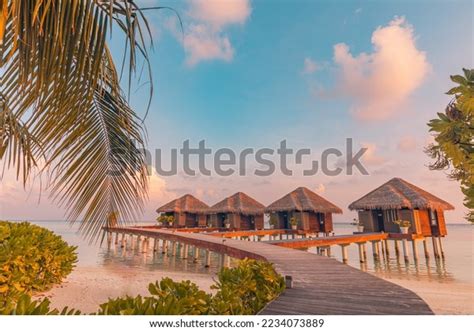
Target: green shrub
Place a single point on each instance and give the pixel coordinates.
(32, 259)
(167, 298)
(242, 290)
(246, 289)
(25, 306)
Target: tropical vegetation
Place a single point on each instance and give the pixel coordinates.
(32, 259)
(244, 289)
(453, 130)
(165, 220)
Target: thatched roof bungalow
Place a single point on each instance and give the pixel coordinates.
(398, 199)
(239, 211)
(311, 211)
(187, 210)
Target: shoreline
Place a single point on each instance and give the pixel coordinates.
(450, 298)
(88, 287)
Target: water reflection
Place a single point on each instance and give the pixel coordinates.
(115, 257)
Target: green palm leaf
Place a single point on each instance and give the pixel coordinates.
(62, 106)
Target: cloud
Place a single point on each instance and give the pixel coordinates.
(407, 144)
(201, 44)
(309, 66)
(205, 37)
(379, 83)
(320, 188)
(220, 12)
(370, 156)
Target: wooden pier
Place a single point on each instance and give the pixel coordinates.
(319, 285)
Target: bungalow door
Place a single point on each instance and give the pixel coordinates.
(286, 222)
(377, 216)
(434, 222)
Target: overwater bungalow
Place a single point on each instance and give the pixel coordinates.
(239, 211)
(399, 200)
(187, 211)
(311, 211)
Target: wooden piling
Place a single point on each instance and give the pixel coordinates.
(344, 253)
(441, 247)
(186, 250)
(435, 247)
(397, 247)
(173, 248)
(208, 259)
(415, 250)
(405, 249)
(375, 250)
(361, 253)
(196, 254)
(425, 248)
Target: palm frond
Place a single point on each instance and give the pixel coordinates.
(61, 100)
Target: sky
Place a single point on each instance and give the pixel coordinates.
(249, 74)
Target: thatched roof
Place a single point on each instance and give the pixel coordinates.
(239, 203)
(303, 199)
(398, 193)
(185, 204)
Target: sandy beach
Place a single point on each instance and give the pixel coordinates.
(87, 287)
(443, 298)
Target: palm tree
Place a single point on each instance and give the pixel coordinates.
(62, 111)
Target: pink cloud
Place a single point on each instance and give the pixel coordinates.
(371, 157)
(309, 66)
(205, 37)
(202, 43)
(378, 83)
(220, 12)
(407, 144)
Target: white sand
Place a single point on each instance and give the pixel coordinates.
(450, 298)
(87, 287)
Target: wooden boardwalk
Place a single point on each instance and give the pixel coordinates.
(321, 285)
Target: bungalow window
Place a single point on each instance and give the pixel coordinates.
(391, 215)
(433, 217)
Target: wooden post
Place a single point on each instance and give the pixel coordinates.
(132, 242)
(435, 247)
(116, 238)
(397, 247)
(425, 248)
(165, 247)
(156, 244)
(208, 258)
(122, 241)
(415, 250)
(375, 249)
(361, 253)
(344, 253)
(196, 254)
(181, 250)
(173, 248)
(186, 249)
(109, 238)
(143, 245)
(387, 250)
(441, 247)
(227, 261)
(222, 262)
(405, 249)
(364, 249)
